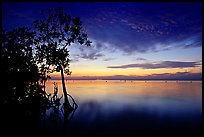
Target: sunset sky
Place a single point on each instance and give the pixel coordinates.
(130, 40)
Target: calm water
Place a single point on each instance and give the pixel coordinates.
(133, 107)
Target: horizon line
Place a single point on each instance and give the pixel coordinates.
(130, 79)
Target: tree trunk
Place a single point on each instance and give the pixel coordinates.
(66, 101)
(44, 85)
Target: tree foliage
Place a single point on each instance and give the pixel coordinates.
(29, 55)
(55, 31)
(18, 67)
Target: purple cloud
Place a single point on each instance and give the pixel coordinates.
(74, 60)
(127, 27)
(163, 64)
(108, 59)
(91, 55)
(139, 27)
(139, 58)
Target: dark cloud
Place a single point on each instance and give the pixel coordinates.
(127, 27)
(74, 60)
(163, 64)
(91, 55)
(108, 59)
(139, 58)
(140, 27)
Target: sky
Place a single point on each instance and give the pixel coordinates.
(130, 40)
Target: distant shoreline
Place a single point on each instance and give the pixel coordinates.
(136, 79)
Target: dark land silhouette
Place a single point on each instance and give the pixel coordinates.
(28, 56)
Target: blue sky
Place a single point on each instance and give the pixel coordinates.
(132, 34)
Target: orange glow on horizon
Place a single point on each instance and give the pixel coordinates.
(94, 71)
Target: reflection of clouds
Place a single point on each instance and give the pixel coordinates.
(150, 113)
(136, 106)
(90, 111)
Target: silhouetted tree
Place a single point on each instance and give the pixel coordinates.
(55, 32)
(27, 57)
(18, 65)
(21, 93)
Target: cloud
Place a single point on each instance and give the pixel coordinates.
(21, 15)
(90, 53)
(139, 58)
(108, 59)
(74, 60)
(91, 56)
(139, 28)
(163, 64)
(126, 27)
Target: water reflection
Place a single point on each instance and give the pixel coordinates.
(135, 107)
(92, 120)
